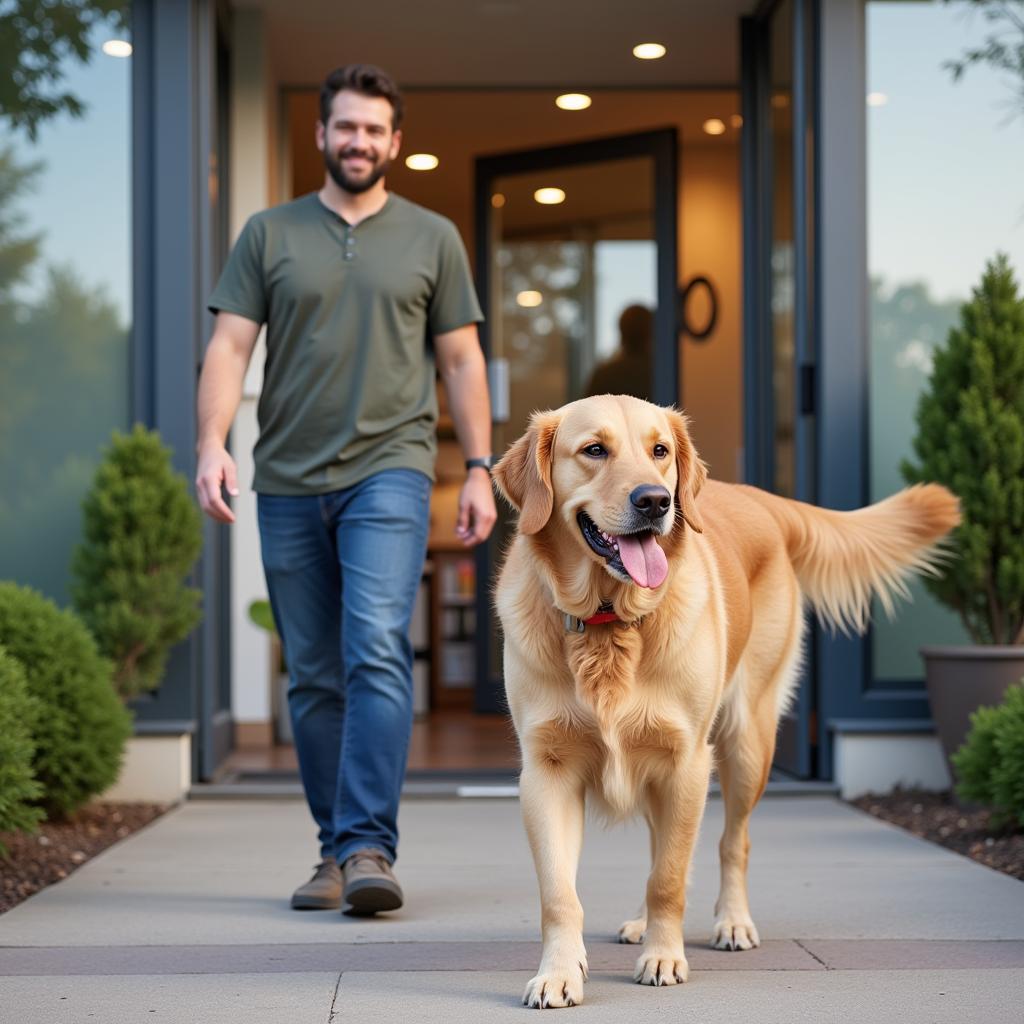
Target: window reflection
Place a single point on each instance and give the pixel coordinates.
(944, 195)
(65, 285)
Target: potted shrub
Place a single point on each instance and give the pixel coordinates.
(970, 437)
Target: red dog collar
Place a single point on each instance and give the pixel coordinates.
(604, 615)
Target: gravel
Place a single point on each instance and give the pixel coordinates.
(964, 828)
(36, 860)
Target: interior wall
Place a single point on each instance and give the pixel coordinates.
(711, 246)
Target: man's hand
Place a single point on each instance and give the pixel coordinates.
(476, 509)
(216, 469)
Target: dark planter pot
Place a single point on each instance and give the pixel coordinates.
(961, 680)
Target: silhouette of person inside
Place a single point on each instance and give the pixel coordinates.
(628, 371)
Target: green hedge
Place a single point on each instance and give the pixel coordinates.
(82, 727)
(19, 712)
(990, 764)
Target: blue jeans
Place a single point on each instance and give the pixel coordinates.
(342, 570)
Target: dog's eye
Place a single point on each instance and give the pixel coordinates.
(595, 451)
(660, 451)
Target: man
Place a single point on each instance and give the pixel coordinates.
(361, 292)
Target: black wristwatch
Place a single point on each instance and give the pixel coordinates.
(485, 461)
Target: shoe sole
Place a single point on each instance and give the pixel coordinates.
(315, 903)
(370, 896)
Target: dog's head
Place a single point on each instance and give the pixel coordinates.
(618, 474)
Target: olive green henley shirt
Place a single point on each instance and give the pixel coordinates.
(349, 381)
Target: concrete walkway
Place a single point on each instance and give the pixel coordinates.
(189, 921)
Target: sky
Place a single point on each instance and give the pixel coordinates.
(945, 159)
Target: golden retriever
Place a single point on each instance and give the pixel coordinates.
(706, 584)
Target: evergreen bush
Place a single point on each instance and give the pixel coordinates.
(970, 437)
(142, 535)
(18, 786)
(991, 762)
(81, 728)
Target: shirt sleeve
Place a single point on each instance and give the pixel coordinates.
(241, 288)
(454, 302)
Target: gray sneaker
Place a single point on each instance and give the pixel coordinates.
(322, 891)
(370, 884)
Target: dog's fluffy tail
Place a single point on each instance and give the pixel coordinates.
(843, 559)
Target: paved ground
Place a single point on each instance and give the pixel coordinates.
(188, 920)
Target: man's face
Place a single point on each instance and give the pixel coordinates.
(358, 143)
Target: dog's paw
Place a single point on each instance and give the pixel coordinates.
(735, 933)
(661, 967)
(556, 987)
(633, 931)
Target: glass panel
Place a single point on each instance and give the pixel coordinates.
(575, 286)
(65, 294)
(944, 195)
(783, 283)
(575, 289)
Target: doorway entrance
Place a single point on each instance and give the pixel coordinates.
(576, 251)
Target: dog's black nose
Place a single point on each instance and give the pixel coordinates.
(651, 500)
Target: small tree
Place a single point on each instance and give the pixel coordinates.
(142, 535)
(81, 727)
(19, 789)
(970, 437)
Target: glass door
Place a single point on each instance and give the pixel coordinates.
(576, 260)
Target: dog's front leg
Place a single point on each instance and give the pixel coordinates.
(552, 801)
(676, 809)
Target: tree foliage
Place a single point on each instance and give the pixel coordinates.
(970, 437)
(37, 38)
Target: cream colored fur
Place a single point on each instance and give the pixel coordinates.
(632, 715)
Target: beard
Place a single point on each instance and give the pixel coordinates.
(350, 184)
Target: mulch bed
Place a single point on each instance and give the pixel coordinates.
(34, 861)
(966, 829)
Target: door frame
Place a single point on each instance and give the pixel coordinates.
(662, 146)
(798, 742)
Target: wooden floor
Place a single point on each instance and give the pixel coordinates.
(444, 741)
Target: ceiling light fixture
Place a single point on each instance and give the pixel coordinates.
(649, 51)
(573, 101)
(529, 299)
(549, 196)
(497, 200)
(421, 161)
(877, 99)
(714, 126)
(736, 120)
(117, 48)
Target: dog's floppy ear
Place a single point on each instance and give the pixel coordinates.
(690, 471)
(523, 475)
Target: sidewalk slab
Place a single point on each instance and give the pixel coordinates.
(171, 999)
(881, 997)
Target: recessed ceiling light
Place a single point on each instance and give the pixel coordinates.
(649, 51)
(549, 196)
(421, 161)
(497, 200)
(529, 299)
(714, 126)
(736, 120)
(117, 48)
(877, 99)
(573, 101)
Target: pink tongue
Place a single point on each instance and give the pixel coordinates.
(643, 560)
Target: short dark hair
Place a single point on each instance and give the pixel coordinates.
(365, 79)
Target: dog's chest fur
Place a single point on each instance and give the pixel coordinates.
(629, 732)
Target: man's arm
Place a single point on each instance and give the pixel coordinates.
(220, 391)
(464, 373)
